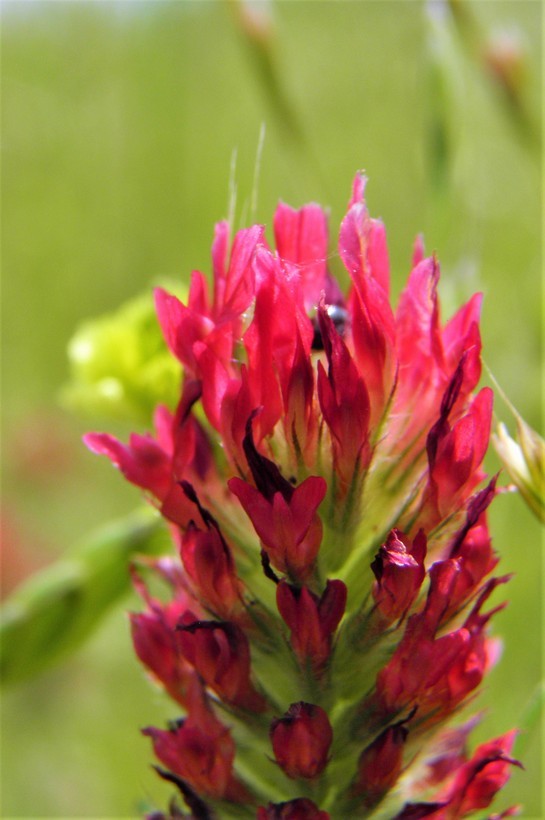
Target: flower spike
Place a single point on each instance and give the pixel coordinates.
(324, 617)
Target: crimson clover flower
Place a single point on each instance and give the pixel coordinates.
(322, 479)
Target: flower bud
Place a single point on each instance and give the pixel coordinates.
(208, 562)
(312, 620)
(202, 757)
(523, 458)
(220, 653)
(290, 529)
(301, 740)
(380, 764)
(399, 570)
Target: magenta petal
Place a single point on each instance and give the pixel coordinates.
(301, 238)
(143, 463)
(418, 330)
(220, 253)
(358, 189)
(239, 283)
(374, 339)
(332, 605)
(181, 326)
(362, 246)
(457, 328)
(256, 507)
(307, 497)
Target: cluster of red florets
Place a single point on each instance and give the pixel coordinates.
(320, 478)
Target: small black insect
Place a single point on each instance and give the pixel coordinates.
(339, 317)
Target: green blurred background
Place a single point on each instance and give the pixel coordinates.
(120, 120)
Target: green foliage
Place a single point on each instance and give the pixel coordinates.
(530, 724)
(57, 609)
(120, 365)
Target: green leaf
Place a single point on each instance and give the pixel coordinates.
(58, 608)
(530, 720)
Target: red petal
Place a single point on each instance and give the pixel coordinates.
(301, 238)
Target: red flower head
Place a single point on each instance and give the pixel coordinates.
(324, 464)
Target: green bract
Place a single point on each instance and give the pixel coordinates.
(57, 609)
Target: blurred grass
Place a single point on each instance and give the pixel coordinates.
(119, 123)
